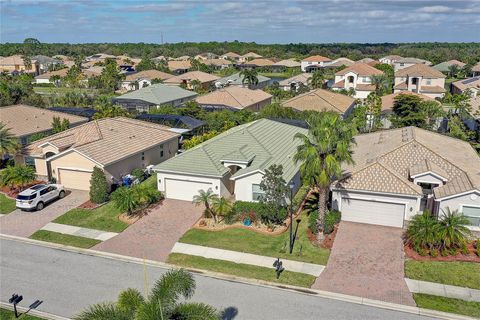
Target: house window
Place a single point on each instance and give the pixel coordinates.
(350, 79)
(472, 214)
(257, 192)
(429, 82)
(402, 64)
(161, 151)
(143, 156)
(30, 161)
(427, 188)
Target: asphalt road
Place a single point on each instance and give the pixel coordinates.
(68, 282)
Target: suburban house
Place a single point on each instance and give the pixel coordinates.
(99, 57)
(476, 70)
(322, 100)
(25, 121)
(44, 62)
(232, 164)
(294, 82)
(154, 96)
(15, 64)
(341, 62)
(206, 56)
(314, 61)
(365, 60)
(235, 98)
(401, 172)
(444, 66)
(283, 65)
(182, 58)
(388, 102)
(237, 80)
(232, 56)
(206, 80)
(179, 66)
(218, 64)
(250, 56)
(390, 59)
(115, 145)
(408, 62)
(357, 77)
(45, 77)
(257, 63)
(138, 80)
(470, 84)
(185, 125)
(420, 78)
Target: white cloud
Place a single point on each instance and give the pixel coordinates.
(435, 9)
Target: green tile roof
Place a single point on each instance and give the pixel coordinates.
(236, 79)
(158, 94)
(261, 143)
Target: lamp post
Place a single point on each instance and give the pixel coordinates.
(291, 185)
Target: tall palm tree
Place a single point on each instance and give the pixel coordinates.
(317, 80)
(250, 76)
(452, 229)
(324, 149)
(8, 142)
(161, 304)
(206, 198)
(382, 83)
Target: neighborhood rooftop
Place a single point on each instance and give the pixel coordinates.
(158, 94)
(321, 100)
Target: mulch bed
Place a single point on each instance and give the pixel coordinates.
(12, 193)
(470, 257)
(327, 242)
(88, 205)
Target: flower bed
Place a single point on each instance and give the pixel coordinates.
(470, 257)
(13, 192)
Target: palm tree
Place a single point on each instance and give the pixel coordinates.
(8, 142)
(19, 176)
(432, 110)
(382, 83)
(452, 229)
(453, 70)
(324, 149)
(316, 80)
(161, 304)
(125, 199)
(206, 198)
(195, 84)
(250, 76)
(422, 231)
(221, 206)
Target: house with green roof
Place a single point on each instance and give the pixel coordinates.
(237, 80)
(233, 163)
(154, 96)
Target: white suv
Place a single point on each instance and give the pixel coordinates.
(36, 197)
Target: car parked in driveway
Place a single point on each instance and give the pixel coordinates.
(36, 197)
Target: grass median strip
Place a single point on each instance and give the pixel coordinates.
(467, 308)
(6, 314)
(462, 274)
(7, 204)
(66, 239)
(242, 240)
(104, 218)
(241, 270)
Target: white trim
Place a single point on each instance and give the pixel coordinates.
(458, 195)
(247, 174)
(432, 173)
(472, 228)
(73, 150)
(187, 173)
(379, 193)
(74, 169)
(48, 143)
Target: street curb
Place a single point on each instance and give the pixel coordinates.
(262, 283)
(33, 312)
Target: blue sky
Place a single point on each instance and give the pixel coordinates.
(272, 21)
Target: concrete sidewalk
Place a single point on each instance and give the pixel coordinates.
(246, 258)
(443, 290)
(78, 231)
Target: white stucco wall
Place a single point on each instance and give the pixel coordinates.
(469, 199)
(427, 178)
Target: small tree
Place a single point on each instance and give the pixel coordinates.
(206, 198)
(221, 206)
(275, 187)
(98, 186)
(17, 176)
(125, 199)
(60, 125)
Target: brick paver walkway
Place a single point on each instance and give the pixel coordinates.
(153, 236)
(367, 261)
(24, 224)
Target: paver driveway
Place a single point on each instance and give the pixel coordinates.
(367, 261)
(153, 236)
(24, 224)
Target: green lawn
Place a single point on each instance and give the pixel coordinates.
(6, 314)
(467, 308)
(463, 274)
(65, 239)
(243, 240)
(7, 204)
(103, 218)
(241, 270)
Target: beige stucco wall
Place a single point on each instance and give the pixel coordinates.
(258, 106)
(71, 160)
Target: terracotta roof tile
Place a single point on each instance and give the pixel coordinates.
(319, 100)
(362, 69)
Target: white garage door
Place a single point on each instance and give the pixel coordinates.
(372, 212)
(73, 179)
(184, 190)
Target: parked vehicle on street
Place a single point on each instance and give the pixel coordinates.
(37, 196)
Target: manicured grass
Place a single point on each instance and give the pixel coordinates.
(241, 270)
(7, 204)
(65, 239)
(467, 308)
(243, 240)
(463, 274)
(6, 314)
(103, 218)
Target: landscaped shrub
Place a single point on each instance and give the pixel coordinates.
(313, 221)
(299, 196)
(131, 199)
(331, 218)
(98, 186)
(242, 208)
(139, 174)
(477, 246)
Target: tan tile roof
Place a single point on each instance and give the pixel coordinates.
(179, 65)
(339, 84)
(476, 67)
(217, 62)
(432, 89)
(475, 105)
(108, 140)
(426, 166)
(92, 71)
(203, 77)
(392, 57)
(362, 69)
(320, 100)
(365, 60)
(399, 150)
(317, 59)
(467, 83)
(232, 55)
(234, 97)
(302, 77)
(25, 120)
(62, 73)
(252, 55)
(148, 74)
(419, 70)
(365, 87)
(289, 63)
(341, 62)
(388, 100)
(410, 60)
(13, 60)
(260, 62)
